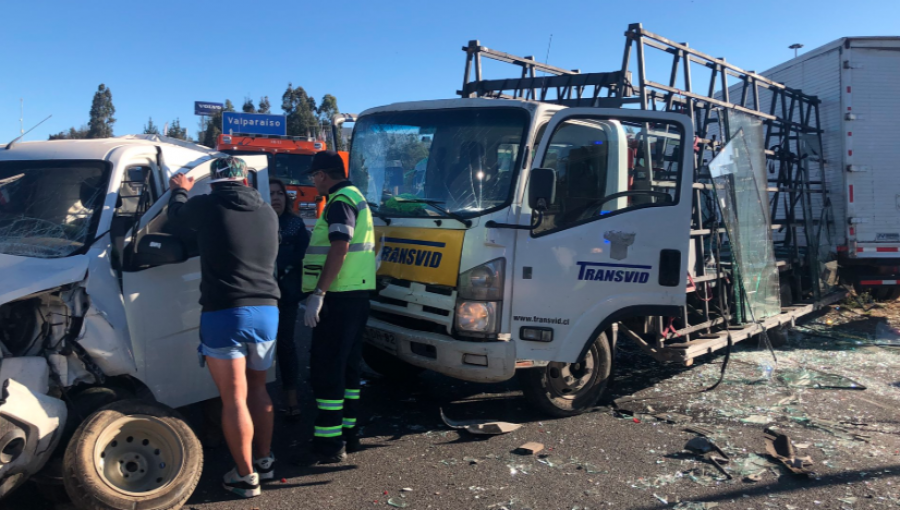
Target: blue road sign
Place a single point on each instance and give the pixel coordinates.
(207, 108)
(254, 123)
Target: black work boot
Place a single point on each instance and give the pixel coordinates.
(330, 457)
(351, 441)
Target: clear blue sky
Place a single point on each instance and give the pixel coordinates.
(159, 57)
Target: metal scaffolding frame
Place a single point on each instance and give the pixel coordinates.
(791, 124)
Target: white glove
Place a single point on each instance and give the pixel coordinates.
(313, 307)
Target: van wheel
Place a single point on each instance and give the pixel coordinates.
(389, 366)
(132, 454)
(567, 389)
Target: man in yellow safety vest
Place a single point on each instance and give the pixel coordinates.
(339, 271)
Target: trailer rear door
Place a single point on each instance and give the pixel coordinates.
(873, 149)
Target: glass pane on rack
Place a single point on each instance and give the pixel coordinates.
(743, 204)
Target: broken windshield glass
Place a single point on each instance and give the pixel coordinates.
(50, 208)
(463, 160)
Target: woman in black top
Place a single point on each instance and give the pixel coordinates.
(294, 241)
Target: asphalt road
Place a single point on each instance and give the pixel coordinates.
(602, 459)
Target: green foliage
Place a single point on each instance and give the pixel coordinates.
(299, 109)
(328, 108)
(248, 106)
(71, 134)
(176, 131)
(101, 122)
(264, 105)
(150, 128)
(210, 135)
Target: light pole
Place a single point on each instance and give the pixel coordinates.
(795, 47)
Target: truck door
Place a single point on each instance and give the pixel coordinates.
(163, 309)
(614, 237)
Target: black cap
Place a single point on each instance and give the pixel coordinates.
(326, 160)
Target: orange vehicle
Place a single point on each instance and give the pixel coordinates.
(289, 158)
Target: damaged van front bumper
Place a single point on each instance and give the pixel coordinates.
(31, 424)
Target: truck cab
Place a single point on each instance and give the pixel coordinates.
(519, 232)
(536, 220)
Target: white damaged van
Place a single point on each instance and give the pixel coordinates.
(98, 326)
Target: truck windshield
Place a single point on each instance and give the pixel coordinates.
(50, 209)
(291, 168)
(463, 160)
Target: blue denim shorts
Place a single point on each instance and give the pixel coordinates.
(242, 332)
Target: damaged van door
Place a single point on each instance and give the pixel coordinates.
(161, 288)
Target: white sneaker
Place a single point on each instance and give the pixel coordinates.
(243, 486)
(265, 467)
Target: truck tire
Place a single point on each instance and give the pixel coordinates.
(132, 454)
(568, 389)
(887, 293)
(388, 366)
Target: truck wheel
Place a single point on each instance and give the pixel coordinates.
(886, 293)
(132, 454)
(567, 389)
(388, 366)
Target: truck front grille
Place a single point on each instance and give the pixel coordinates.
(415, 300)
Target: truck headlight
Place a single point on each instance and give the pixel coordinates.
(479, 299)
(484, 282)
(477, 317)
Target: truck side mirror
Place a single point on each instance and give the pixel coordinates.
(541, 188)
(158, 250)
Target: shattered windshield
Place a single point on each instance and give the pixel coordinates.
(50, 208)
(426, 163)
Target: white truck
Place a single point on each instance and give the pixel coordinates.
(853, 77)
(540, 219)
(99, 326)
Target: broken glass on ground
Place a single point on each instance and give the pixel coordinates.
(397, 503)
(800, 377)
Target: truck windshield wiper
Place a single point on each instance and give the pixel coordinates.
(436, 204)
(378, 214)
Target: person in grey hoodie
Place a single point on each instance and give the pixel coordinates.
(237, 234)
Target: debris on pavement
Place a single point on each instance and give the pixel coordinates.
(701, 431)
(694, 505)
(779, 445)
(529, 448)
(705, 448)
(397, 503)
(481, 427)
(674, 418)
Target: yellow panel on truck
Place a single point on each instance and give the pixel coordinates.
(421, 255)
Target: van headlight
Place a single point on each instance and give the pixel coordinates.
(479, 298)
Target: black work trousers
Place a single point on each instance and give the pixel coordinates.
(335, 358)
